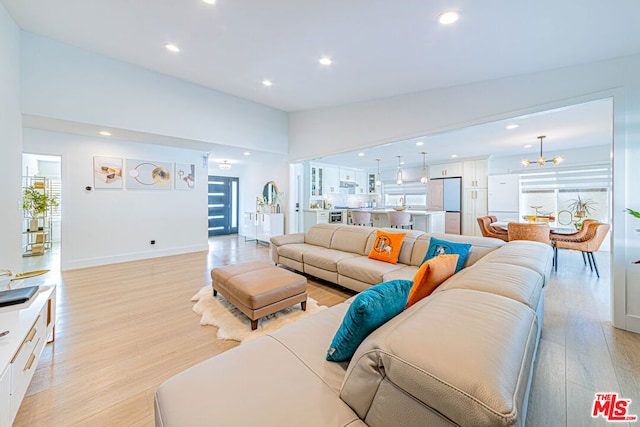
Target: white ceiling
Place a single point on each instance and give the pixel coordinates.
(379, 49)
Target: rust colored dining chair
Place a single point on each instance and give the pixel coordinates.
(484, 222)
(399, 219)
(573, 237)
(534, 232)
(361, 218)
(590, 243)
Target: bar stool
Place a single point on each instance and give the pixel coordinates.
(399, 219)
(361, 218)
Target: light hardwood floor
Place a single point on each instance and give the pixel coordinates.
(123, 329)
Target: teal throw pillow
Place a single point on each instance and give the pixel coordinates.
(441, 247)
(369, 310)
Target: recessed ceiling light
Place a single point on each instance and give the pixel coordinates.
(448, 17)
(104, 133)
(172, 47)
(361, 154)
(419, 143)
(267, 83)
(513, 126)
(246, 153)
(528, 146)
(453, 156)
(325, 60)
(209, 1)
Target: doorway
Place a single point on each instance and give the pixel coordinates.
(222, 205)
(41, 226)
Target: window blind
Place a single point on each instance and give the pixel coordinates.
(595, 177)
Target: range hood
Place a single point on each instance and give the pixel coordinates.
(348, 184)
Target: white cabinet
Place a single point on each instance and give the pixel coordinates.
(371, 184)
(29, 325)
(446, 170)
(347, 174)
(269, 224)
(316, 179)
(475, 174)
(249, 226)
(361, 180)
(331, 179)
(435, 196)
(452, 222)
(313, 217)
(474, 205)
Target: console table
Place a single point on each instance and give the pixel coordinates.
(30, 325)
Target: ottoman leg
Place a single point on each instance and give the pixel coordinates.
(303, 304)
(215, 293)
(254, 325)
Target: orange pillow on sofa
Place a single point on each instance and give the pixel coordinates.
(430, 275)
(387, 246)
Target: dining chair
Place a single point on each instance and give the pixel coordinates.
(590, 243)
(361, 218)
(534, 232)
(484, 222)
(399, 219)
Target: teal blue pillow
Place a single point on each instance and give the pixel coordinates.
(441, 247)
(369, 310)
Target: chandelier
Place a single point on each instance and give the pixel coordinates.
(399, 179)
(541, 160)
(424, 178)
(378, 181)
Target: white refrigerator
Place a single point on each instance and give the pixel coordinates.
(503, 199)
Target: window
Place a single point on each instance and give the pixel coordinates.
(553, 193)
(413, 194)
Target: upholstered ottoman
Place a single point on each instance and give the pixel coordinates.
(259, 289)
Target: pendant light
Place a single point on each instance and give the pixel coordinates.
(399, 173)
(541, 160)
(378, 181)
(424, 178)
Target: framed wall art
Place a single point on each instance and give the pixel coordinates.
(107, 172)
(148, 175)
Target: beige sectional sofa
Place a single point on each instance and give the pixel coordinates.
(462, 356)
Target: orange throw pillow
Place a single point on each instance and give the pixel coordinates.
(430, 275)
(387, 246)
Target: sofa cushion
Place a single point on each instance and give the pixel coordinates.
(368, 311)
(320, 235)
(325, 259)
(441, 247)
(536, 256)
(352, 239)
(387, 246)
(471, 360)
(295, 251)
(480, 246)
(430, 275)
(511, 281)
(366, 270)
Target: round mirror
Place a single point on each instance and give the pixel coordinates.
(270, 192)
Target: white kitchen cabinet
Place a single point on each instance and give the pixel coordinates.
(435, 196)
(474, 205)
(347, 174)
(452, 222)
(474, 174)
(316, 179)
(446, 170)
(371, 184)
(30, 325)
(269, 224)
(313, 217)
(361, 180)
(331, 179)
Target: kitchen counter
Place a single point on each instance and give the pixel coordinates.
(424, 220)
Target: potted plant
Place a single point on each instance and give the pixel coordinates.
(581, 208)
(35, 202)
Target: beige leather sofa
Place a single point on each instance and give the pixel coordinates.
(462, 356)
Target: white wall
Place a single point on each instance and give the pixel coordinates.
(64, 82)
(322, 132)
(10, 145)
(107, 226)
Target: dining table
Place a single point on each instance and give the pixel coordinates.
(555, 228)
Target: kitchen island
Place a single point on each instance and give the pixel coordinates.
(423, 220)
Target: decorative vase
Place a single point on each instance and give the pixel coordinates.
(33, 224)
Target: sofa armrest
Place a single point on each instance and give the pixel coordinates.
(287, 239)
